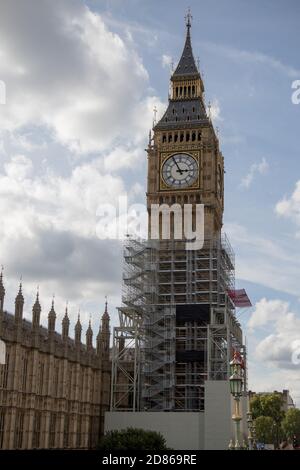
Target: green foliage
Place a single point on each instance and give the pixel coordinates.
(291, 423)
(133, 439)
(265, 429)
(268, 405)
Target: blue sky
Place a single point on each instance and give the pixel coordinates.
(82, 79)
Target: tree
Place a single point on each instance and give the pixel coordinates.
(269, 405)
(133, 439)
(265, 429)
(291, 423)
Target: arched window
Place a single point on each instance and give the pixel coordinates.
(199, 135)
(175, 137)
(193, 90)
(184, 91)
(187, 137)
(193, 136)
(164, 138)
(189, 91)
(170, 137)
(181, 91)
(181, 137)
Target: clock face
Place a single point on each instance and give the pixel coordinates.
(180, 170)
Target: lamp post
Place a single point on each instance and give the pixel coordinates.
(236, 386)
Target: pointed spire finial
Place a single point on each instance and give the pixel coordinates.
(154, 115)
(209, 109)
(188, 19)
(1, 273)
(20, 287)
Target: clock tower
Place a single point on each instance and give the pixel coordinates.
(185, 165)
(178, 312)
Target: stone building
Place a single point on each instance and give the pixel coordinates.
(54, 390)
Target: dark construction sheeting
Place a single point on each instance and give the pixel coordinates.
(193, 312)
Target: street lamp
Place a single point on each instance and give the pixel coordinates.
(236, 387)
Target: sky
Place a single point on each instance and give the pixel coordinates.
(81, 81)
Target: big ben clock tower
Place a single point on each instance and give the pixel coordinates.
(185, 164)
(176, 306)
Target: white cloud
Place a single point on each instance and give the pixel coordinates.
(260, 260)
(284, 332)
(289, 207)
(267, 311)
(215, 110)
(81, 82)
(74, 90)
(274, 332)
(166, 61)
(253, 57)
(259, 168)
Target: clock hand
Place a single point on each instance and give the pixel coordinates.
(178, 169)
(181, 171)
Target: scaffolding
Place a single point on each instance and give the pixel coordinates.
(179, 322)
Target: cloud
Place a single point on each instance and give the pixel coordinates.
(214, 110)
(259, 168)
(78, 111)
(166, 61)
(276, 348)
(253, 57)
(289, 207)
(267, 311)
(84, 84)
(260, 260)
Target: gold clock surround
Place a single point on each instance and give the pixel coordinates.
(164, 156)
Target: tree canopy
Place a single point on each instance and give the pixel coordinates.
(291, 423)
(268, 405)
(133, 439)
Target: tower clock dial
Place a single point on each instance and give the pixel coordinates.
(180, 170)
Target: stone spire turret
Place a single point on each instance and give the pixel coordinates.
(36, 312)
(52, 318)
(2, 291)
(65, 325)
(78, 330)
(105, 333)
(89, 336)
(19, 305)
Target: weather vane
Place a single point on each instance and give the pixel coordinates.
(188, 18)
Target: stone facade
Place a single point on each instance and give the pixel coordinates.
(54, 390)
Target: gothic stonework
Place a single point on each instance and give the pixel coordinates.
(187, 130)
(53, 390)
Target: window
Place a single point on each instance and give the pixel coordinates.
(4, 372)
(170, 138)
(175, 137)
(164, 138)
(193, 136)
(24, 373)
(36, 430)
(41, 378)
(187, 138)
(2, 422)
(66, 431)
(52, 430)
(18, 438)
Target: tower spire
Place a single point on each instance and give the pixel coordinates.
(188, 19)
(187, 66)
(36, 311)
(2, 290)
(19, 304)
